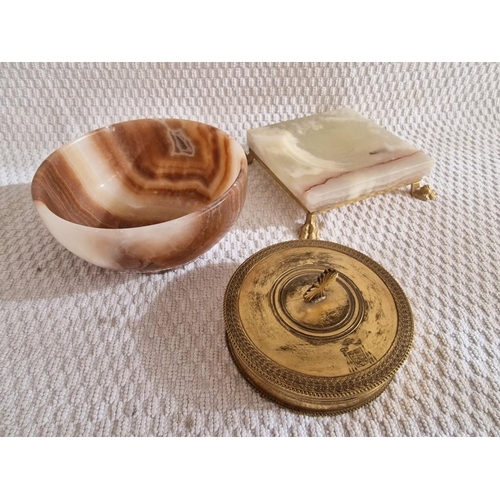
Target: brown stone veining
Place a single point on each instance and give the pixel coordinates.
(146, 195)
(322, 183)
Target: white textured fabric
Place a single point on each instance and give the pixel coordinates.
(90, 352)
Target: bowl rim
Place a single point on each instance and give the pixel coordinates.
(239, 179)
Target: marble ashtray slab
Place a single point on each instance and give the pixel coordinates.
(330, 159)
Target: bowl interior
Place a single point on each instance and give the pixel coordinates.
(138, 173)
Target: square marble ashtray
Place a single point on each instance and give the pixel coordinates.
(330, 159)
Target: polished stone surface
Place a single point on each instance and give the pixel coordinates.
(145, 195)
(333, 158)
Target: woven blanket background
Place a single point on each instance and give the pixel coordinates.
(89, 352)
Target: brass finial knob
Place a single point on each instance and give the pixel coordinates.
(316, 292)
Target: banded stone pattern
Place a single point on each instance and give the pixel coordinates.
(143, 195)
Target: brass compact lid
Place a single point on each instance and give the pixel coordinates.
(317, 326)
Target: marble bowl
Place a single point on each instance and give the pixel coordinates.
(144, 195)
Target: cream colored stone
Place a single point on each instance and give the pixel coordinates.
(337, 157)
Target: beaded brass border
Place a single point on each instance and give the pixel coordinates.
(307, 385)
(324, 410)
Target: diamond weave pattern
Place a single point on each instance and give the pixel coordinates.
(90, 352)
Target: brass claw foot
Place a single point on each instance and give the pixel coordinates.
(309, 231)
(425, 192)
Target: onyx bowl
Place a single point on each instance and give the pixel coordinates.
(144, 195)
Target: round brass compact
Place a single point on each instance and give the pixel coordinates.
(317, 326)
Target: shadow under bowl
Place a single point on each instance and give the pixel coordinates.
(144, 195)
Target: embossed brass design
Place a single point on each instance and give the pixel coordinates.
(330, 317)
(356, 354)
(327, 356)
(317, 290)
(424, 193)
